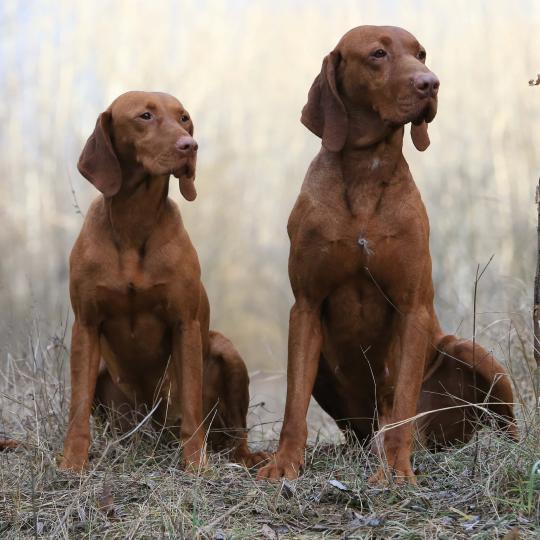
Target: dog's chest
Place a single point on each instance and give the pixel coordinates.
(332, 244)
(338, 235)
(130, 287)
(116, 298)
(364, 241)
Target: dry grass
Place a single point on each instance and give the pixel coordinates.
(243, 69)
(138, 491)
(135, 488)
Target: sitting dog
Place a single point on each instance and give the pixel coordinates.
(140, 340)
(364, 338)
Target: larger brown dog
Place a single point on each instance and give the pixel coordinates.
(363, 331)
(135, 284)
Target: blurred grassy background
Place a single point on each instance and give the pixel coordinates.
(243, 69)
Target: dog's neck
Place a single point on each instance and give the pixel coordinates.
(135, 211)
(369, 166)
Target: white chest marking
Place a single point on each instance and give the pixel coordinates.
(375, 163)
(364, 244)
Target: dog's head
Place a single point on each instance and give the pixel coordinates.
(376, 77)
(141, 132)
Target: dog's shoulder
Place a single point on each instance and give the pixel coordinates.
(321, 200)
(93, 228)
(93, 247)
(323, 175)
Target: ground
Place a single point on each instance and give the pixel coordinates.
(135, 488)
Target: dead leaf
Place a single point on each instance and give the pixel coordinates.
(106, 500)
(288, 489)
(353, 518)
(512, 534)
(471, 523)
(338, 485)
(462, 514)
(268, 532)
(373, 522)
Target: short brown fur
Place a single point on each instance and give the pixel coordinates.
(364, 338)
(141, 335)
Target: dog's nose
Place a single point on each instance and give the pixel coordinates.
(186, 144)
(427, 84)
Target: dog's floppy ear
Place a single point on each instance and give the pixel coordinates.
(324, 113)
(419, 136)
(98, 162)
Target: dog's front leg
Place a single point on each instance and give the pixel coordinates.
(305, 341)
(84, 363)
(413, 335)
(188, 369)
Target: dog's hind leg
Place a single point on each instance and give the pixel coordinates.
(111, 404)
(466, 387)
(355, 423)
(226, 401)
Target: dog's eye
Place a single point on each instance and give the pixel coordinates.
(185, 118)
(146, 116)
(421, 55)
(379, 53)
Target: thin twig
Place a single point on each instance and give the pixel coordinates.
(74, 196)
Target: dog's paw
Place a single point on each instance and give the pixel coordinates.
(195, 461)
(281, 466)
(74, 464)
(254, 459)
(384, 476)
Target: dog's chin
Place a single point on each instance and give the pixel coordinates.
(426, 114)
(187, 170)
(425, 111)
(178, 169)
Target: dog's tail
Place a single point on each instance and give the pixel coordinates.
(472, 386)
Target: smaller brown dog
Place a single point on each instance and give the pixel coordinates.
(140, 338)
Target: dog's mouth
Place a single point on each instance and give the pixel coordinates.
(427, 112)
(186, 180)
(186, 170)
(423, 110)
